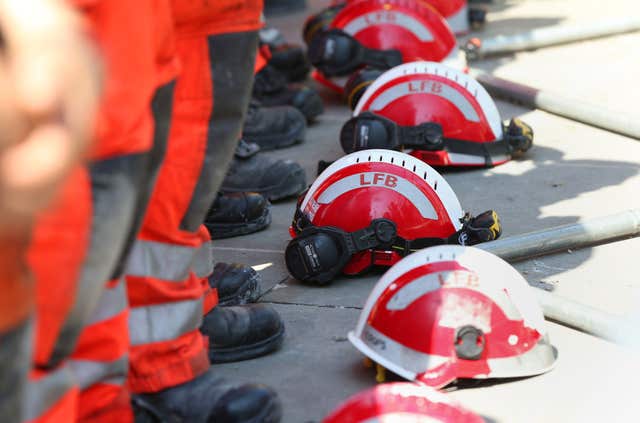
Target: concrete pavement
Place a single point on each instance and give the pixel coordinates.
(574, 172)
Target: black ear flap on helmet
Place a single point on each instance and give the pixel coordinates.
(320, 22)
(318, 254)
(368, 130)
(336, 53)
(357, 84)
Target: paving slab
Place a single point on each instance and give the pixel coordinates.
(574, 172)
(317, 368)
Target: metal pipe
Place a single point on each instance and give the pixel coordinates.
(560, 105)
(585, 318)
(591, 232)
(561, 238)
(477, 48)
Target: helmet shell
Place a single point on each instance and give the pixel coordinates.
(419, 92)
(373, 184)
(413, 27)
(412, 317)
(455, 12)
(401, 402)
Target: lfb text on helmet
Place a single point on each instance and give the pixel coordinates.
(378, 179)
(380, 17)
(424, 86)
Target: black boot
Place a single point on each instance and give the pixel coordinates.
(271, 88)
(236, 214)
(252, 172)
(242, 332)
(236, 283)
(209, 399)
(273, 127)
(290, 59)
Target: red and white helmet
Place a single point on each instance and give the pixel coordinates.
(372, 208)
(381, 34)
(443, 114)
(401, 402)
(450, 312)
(456, 12)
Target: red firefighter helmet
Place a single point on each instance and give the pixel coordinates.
(450, 312)
(401, 402)
(471, 132)
(372, 208)
(389, 32)
(456, 12)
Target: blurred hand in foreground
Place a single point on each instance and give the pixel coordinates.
(49, 92)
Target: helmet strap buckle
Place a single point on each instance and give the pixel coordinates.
(426, 136)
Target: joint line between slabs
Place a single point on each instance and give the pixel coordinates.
(271, 289)
(312, 305)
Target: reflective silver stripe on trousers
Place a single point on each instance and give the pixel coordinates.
(164, 322)
(87, 372)
(203, 262)
(113, 301)
(44, 393)
(167, 261)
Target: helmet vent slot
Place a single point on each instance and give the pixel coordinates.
(403, 163)
(414, 168)
(424, 176)
(358, 160)
(369, 158)
(380, 159)
(392, 160)
(435, 186)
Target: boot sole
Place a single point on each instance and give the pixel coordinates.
(292, 185)
(270, 414)
(267, 142)
(227, 355)
(249, 292)
(229, 230)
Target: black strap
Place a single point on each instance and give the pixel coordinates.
(385, 133)
(427, 136)
(382, 235)
(517, 138)
(380, 59)
(489, 150)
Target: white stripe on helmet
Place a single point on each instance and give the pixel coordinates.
(379, 180)
(411, 87)
(459, 21)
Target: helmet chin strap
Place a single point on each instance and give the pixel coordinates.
(369, 130)
(319, 253)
